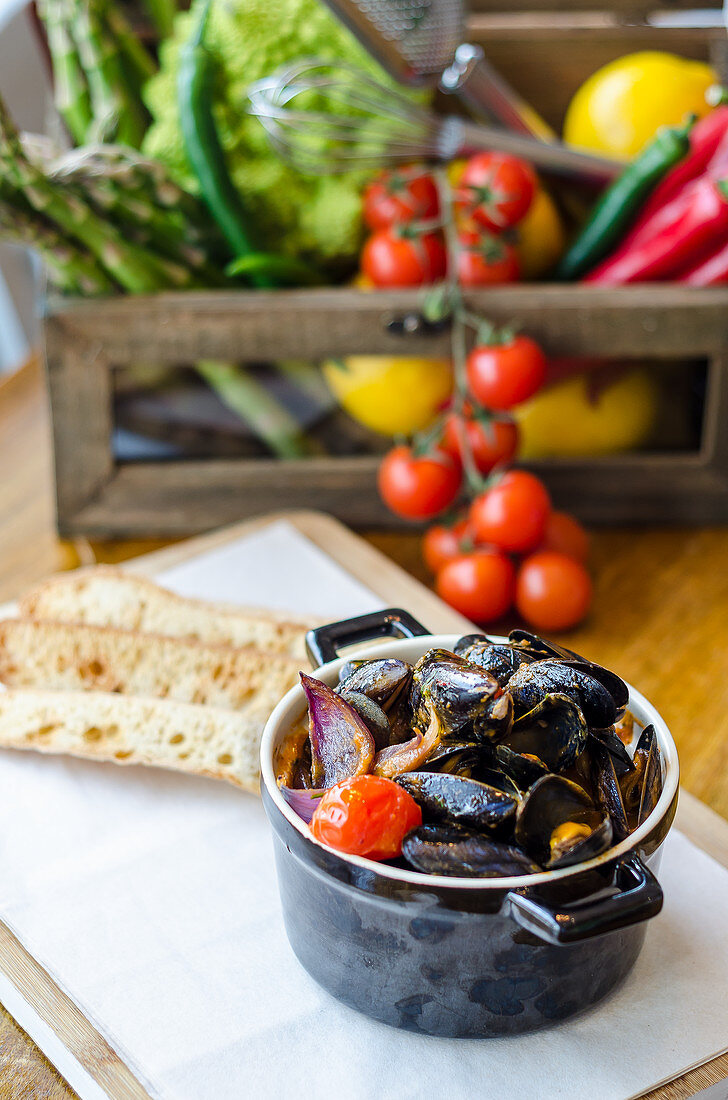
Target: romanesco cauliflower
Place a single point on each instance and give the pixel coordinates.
(314, 217)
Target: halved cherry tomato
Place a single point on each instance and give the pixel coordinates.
(565, 535)
(480, 585)
(395, 198)
(418, 487)
(496, 190)
(512, 514)
(441, 544)
(484, 260)
(366, 816)
(491, 441)
(403, 257)
(553, 592)
(503, 375)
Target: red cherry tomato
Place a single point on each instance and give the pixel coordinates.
(565, 535)
(491, 442)
(393, 258)
(484, 260)
(395, 198)
(440, 544)
(513, 514)
(480, 585)
(418, 487)
(366, 816)
(496, 190)
(553, 592)
(503, 375)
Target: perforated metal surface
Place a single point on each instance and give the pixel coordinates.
(413, 39)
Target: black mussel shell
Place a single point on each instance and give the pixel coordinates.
(620, 757)
(641, 788)
(494, 777)
(455, 851)
(524, 769)
(374, 717)
(529, 684)
(456, 799)
(558, 825)
(497, 658)
(459, 757)
(605, 783)
(349, 666)
(555, 731)
(541, 650)
(537, 648)
(381, 679)
(461, 695)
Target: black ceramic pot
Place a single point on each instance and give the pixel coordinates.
(459, 957)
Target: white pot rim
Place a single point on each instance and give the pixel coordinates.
(293, 705)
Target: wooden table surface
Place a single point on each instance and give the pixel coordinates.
(660, 618)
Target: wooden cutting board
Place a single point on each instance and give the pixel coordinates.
(396, 588)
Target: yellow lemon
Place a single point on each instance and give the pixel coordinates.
(392, 395)
(540, 238)
(619, 108)
(571, 418)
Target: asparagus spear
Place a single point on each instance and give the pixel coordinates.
(162, 13)
(135, 269)
(71, 89)
(117, 114)
(136, 59)
(71, 269)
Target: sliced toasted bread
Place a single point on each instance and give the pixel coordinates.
(104, 596)
(208, 741)
(76, 657)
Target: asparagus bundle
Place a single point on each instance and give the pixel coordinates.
(99, 67)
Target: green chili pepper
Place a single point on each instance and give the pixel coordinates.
(621, 202)
(203, 146)
(283, 269)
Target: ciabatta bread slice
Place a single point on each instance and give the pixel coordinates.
(124, 729)
(76, 657)
(104, 596)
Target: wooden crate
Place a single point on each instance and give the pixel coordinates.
(87, 340)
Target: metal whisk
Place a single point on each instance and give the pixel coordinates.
(367, 124)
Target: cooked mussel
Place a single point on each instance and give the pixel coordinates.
(557, 824)
(497, 658)
(605, 784)
(381, 679)
(530, 684)
(540, 649)
(372, 715)
(641, 788)
(456, 851)
(461, 757)
(523, 768)
(341, 744)
(620, 757)
(463, 696)
(462, 801)
(554, 731)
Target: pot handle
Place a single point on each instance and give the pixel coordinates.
(637, 896)
(323, 643)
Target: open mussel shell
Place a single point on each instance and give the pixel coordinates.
(458, 800)
(497, 658)
(609, 740)
(608, 794)
(341, 744)
(557, 824)
(523, 768)
(540, 649)
(456, 851)
(641, 788)
(381, 679)
(530, 684)
(461, 757)
(462, 696)
(372, 715)
(554, 731)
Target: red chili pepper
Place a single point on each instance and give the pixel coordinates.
(678, 233)
(706, 137)
(708, 271)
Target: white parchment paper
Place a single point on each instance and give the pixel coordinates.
(152, 899)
